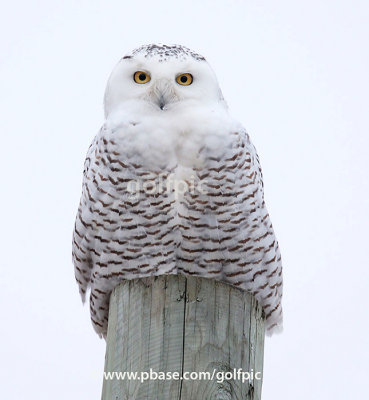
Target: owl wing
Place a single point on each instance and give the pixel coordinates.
(270, 293)
(81, 249)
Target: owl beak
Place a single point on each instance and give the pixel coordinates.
(161, 102)
(162, 93)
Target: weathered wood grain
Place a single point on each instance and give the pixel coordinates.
(183, 324)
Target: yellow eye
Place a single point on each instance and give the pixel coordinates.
(184, 79)
(141, 77)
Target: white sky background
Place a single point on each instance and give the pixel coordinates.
(295, 73)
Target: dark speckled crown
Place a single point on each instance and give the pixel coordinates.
(165, 52)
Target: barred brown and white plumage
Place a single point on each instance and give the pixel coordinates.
(172, 185)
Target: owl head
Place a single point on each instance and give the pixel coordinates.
(162, 77)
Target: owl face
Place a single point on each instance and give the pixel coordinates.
(162, 77)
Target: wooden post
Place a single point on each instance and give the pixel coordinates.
(183, 324)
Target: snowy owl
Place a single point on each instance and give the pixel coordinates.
(172, 185)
